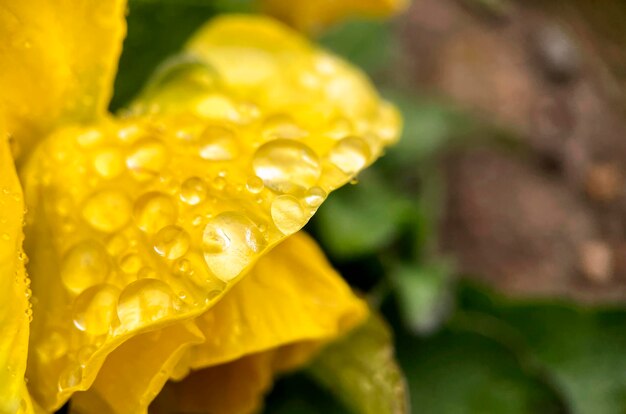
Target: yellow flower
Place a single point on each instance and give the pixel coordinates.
(310, 15)
(164, 243)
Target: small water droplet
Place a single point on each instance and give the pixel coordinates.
(144, 301)
(283, 163)
(350, 155)
(107, 210)
(153, 211)
(171, 242)
(193, 191)
(86, 264)
(288, 214)
(230, 242)
(218, 143)
(95, 309)
(315, 196)
(108, 163)
(219, 183)
(147, 159)
(131, 264)
(254, 184)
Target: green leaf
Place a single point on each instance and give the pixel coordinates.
(581, 350)
(360, 370)
(349, 232)
(157, 29)
(423, 294)
(458, 372)
(368, 44)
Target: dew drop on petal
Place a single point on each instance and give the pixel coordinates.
(283, 163)
(153, 211)
(230, 242)
(85, 265)
(95, 309)
(71, 377)
(315, 196)
(171, 242)
(131, 264)
(288, 214)
(147, 159)
(108, 163)
(144, 301)
(193, 191)
(218, 143)
(107, 210)
(254, 185)
(350, 155)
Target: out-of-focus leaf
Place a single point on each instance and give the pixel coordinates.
(428, 128)
(362, 372)
(366, 43)
(581, 351)
(465, 373)
(156, 30)
(349, 232)
(423, 294)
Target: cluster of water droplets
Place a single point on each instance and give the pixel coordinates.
(151, 217)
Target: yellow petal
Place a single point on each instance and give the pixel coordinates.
(292, 295)
(138, 223)
(236, 387)
(58, 62)
(312, 15)
(14, 306)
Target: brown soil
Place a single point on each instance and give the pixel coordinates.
(553, 223)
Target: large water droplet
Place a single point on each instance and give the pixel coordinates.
(350, 155)
(147, 159)
(95, 309)
(288, 214)
(218, 143)
(283, 163)
(153, 211)
(230, 242)
(144, 301)
(193, 191)
(107, 210)
(171, 242)
(85, 265)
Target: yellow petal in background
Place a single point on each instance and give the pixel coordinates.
(292, 296)
(139, 223)
(57, 62)
(15, 309)
(311, 16)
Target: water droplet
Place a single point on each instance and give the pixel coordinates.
(283, 163)
(144, 301)
(171, 242)
(153, 211)
(108, 163)
(85, 265)
(182, 267)
(315, 196)
(219, 183)
(254, 184)
(131, 264)
(282, 126)
(89, 138)
(218, 143)
(116, 244)
(71, 377)
(95, 309)
(288, 214)
(230, 242)
(107, 210)
(350, 155)
(147, 159)
(193, 191)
